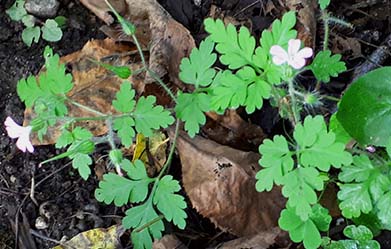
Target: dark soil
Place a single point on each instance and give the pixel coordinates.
(65, 200)
(63, 193)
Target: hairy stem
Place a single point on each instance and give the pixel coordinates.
(110, 139)
(86, 107)
(326, 27)
(295, 113)
(151, 72)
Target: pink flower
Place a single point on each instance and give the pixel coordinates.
(295, 57)
(21, 133)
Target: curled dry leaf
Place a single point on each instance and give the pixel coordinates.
(220, 182)
(94, 86)
(167, 40)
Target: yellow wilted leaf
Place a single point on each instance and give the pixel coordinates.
(151, 150)
(99, 238)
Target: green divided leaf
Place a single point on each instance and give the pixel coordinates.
(277, 162)
(68, 137)
(149, 117)
(29, 91)
(236, 49)
(323, 4)
(120, 190)
(30, 35)
(361, 236)
(124, 101)
(300, 188)
(169, 204)
(307, 230)
(256, 92)
(82, 163)
(230, 93)
(360, 233)
(282, 31)
(124, 129)
(197, 69)
(64, 139)
(53, 85)
(190, 109)
(365, 186)
(55, 79)
(50, 31)
(17, 10)
(383, 209)
(318, 147)
(241, 89)
(355, 198)
(325, 65)
(366, 106)
(139, 216)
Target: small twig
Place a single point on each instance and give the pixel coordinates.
(376, 59)
(36, 234)
(4, 180)
(51, 174)
(32, 191)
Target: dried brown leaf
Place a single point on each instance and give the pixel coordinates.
(167, 40)
(262, 240)
(220, 182)
(168, 241)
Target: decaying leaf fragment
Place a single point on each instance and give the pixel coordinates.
(220, 182)
(96, 238)
(167, 40)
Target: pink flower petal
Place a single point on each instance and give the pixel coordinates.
(305, 53)
(293, 46)
(22, 133)
(297, 63)
(13, 129)
(279, 55)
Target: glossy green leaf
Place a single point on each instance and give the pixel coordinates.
(365, 108)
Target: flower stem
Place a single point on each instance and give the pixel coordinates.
(326, 27)
(295, 112)
(86, 107)
(110, 139)
(151, 72)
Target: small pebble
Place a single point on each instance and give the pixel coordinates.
(42, 8)
(40, 223)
